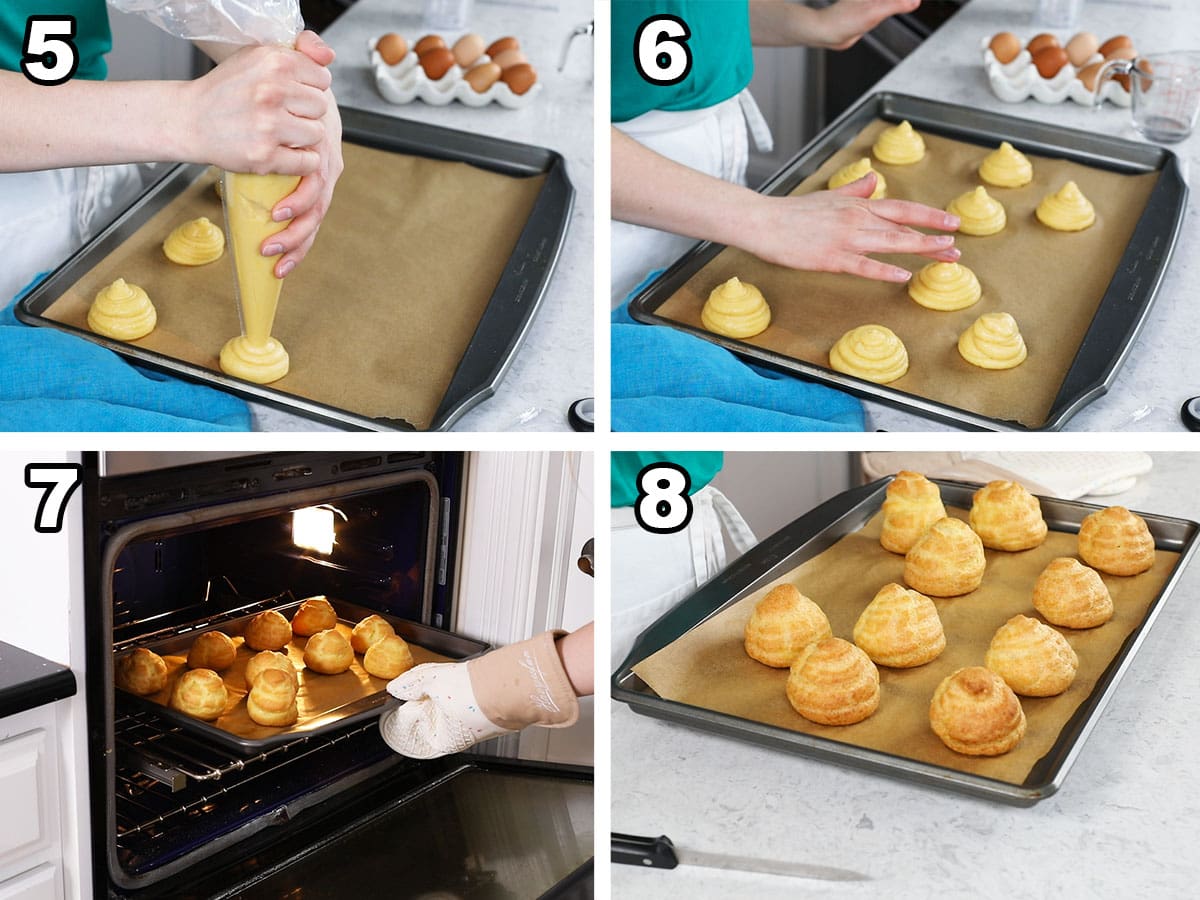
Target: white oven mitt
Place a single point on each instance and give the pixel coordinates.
(451, 706)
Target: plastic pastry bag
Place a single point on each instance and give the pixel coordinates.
(225, 21)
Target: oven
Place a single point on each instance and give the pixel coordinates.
(326, 812)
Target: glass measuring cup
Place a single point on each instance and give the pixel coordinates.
(1165, 89)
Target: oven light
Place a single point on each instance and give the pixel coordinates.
(312, 529)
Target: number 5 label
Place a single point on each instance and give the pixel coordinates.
(660, 50)
(663, 505)
(48, 55)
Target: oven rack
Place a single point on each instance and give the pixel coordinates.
(201, 620)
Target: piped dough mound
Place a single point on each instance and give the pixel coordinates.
(978, 211)
(1006, 166)
(900, 628)
(873, 352)
(993, 342)
(195, 243)
(947, 561)
(1070, 595)
(1067, 209)
(945, 286)
(783, 623)
(122, 311)
(855, 171)
(1116, 541)
(899, 145)
(1007, 517)
(976, 713)
(912, 504)
(736, 309)
(833, 682)
(1032, 658)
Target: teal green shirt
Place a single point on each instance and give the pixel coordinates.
(722, 57)
(93, 38)
(701, 467)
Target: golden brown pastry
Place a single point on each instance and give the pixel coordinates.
(370, 630)
(269, 659)
(272, 699)
(736, 309)
(900, 628)
(1007, 517)
(1116, 542)
(946, 561)
(913, 503)
(1032, 658)
(141, 672)
(195, 243)
(855, 171)
(872, 352)
(1070, 595)
(200, 693)
(975, 713)
(212, 650)
(783, 623)
(268, 631)
(388, 657)
(945, 286)
(1006, 166)
(1066, 210)
(899, 145)
(314, 614)
(993, 342)
(122, 311)
(978, 212)
(832, 682)
(328, 652)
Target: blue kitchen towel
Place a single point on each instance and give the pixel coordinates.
(54, 381)
(666, 380)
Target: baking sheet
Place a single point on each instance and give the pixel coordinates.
(380, 313)
(1051, 282)
(707, 666)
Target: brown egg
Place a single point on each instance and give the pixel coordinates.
(1121, 40)
(392, 47)
(506, 59)
(501, 44)
(482, 77)
(520, 77)
(1049, 61)
(1122, 53)
(1088, 75)
(427, 43)
(1081, 48)
(1039, 41)
(436, 62)
(1005, 46)
(1144, 69)
(467, 49)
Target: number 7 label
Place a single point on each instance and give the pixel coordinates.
(60, 481)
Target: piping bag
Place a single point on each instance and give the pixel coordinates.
(248, 199)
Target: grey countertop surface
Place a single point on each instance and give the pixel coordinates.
(1120, 826)
(553, 367)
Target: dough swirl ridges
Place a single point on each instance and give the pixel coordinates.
(945, 286)
(833, 682)
(855, 171)
(912, 504)
(1032, 658)
(1006, 166)
(899, 145)
(993, 342)
(783, 623)
(946, 561)
(122, 311)
(975, 713)
(1007, 517)
(736, 309)
(978, 211)
(195, 243)
(1070, 595)
(1116, 541)
(1067, 209)
(873, 352)
(900, 628)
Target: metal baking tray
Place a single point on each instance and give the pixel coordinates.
(356, 709)
(1122, 312)
(815, 532)
(501, 328)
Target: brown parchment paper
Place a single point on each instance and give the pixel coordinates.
(1050, 282)
(318, 699)
(708, 667)
(380, 312)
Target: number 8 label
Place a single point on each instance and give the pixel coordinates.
(663, 505)
(660, 50)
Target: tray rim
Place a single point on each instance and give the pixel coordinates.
(795, 543)
(1090, 374)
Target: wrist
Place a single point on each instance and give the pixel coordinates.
(176, 138)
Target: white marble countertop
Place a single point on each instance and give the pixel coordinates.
(1120, 826)
(553, 367)
(1154, 382)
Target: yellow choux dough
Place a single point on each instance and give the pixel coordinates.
(832, 682)
(272, 699)
(900, 628)
(269, 659)
(388, 658)
(328, 652)
(855, 171)
(979, 213)
(736, 309)
(993, 342)
(976, 713)
(899, 145)
(313, 615)
(200, 693)
(1069, 594)
(212, 650)
(912, 504)
(783, 623)
(1066, 210)
(122, 311)
(141, 672)
(945, 286)
(1006, 166)
(947, 560)
(1032, 658)
(369, 631)
(1116, 541)
(195, 243)
(1007, 517)
(872, 352)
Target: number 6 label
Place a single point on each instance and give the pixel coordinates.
(660, 50)
(663, 505)
(48, 56)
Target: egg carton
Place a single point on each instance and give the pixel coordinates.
(1018, 80)
(406, 81)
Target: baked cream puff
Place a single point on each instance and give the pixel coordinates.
(783, 623)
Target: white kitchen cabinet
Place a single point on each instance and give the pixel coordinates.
(30, 838)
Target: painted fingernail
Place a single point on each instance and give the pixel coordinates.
(280, 214)
(272, 249)
(286, 269)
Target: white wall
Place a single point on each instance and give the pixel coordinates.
(144, 51)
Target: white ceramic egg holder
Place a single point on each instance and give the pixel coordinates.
(1019, 80)
(406, 81)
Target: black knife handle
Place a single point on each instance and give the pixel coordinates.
(651, 852)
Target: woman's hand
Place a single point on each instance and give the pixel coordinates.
(834, 27)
